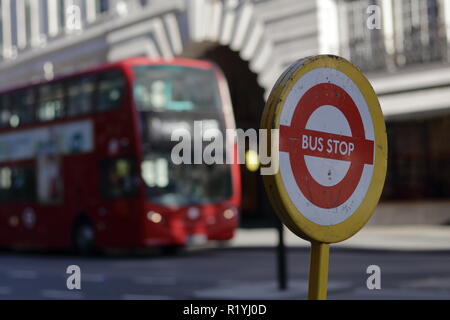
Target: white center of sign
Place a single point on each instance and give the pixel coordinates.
(329, 119)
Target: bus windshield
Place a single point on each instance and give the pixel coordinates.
(175, 88)
(181, 185)
(171, 97)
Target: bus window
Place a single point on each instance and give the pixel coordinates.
(5, 110)
(80, 94)
(111, 89)
(164, 88)
(51, 104)
(16, 184)
(22, 107)
(180, 185)
(118, 178)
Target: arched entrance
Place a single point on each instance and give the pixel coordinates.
(248, 102)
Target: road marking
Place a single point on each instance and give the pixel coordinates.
(158, 281)
(23, 274)
(58, 294)
(5, 290)
(130, 296)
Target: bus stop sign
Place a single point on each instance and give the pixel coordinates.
(332, 148)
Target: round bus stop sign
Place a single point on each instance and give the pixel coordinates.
(332, 148)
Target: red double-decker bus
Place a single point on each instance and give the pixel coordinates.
(85, 159)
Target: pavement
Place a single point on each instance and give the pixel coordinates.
(403, 238)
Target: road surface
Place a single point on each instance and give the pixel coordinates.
(222, 274)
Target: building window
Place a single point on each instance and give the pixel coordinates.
(418, 159)
(101, 6)
(421, 37)
(366, 46)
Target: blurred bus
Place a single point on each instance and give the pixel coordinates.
(85, 160)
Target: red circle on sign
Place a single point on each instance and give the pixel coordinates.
(323, 196)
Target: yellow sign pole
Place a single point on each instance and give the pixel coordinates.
(318, 270)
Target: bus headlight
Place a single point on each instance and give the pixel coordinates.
(13, 221)
(154, 217)
(228, 214)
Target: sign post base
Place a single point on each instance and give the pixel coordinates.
(318, 271)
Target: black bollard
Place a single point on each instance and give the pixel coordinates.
(281, 257)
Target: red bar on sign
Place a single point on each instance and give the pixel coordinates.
(326, 145)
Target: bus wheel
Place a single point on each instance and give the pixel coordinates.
(84, 238)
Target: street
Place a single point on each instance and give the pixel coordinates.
(233, 273)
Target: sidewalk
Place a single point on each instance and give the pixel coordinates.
(409, 237)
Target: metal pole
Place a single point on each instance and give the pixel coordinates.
(281, 257)
(318, 271)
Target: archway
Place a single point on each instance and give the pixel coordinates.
(248, 102)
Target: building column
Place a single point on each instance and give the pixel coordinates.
(328, 18)
(388, 32)
(35, 22)
(6, 29)
(398, 38)
(91, 10)
(344, 38)
(52, 9)
(21, 24)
